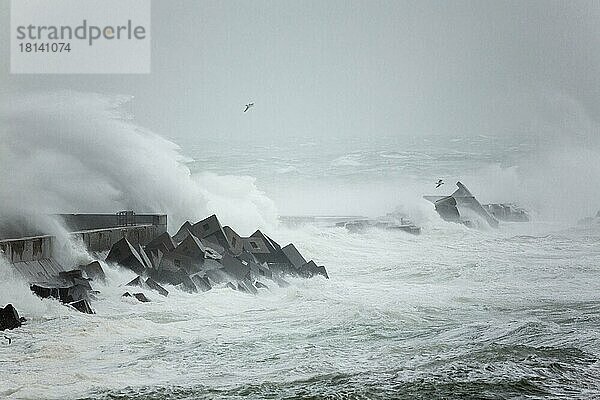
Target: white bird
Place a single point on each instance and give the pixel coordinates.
(248, 106)
(439, 183)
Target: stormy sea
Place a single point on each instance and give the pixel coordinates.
(454, 312)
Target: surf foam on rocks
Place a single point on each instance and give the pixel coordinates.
(197, 258)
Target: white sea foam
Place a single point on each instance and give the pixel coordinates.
(348, 160)
(394, 303)
(454, 306)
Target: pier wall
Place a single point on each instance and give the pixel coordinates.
(103, 239)
(84, 222)
(27, 249)
(95, 238)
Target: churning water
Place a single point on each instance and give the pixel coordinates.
(452, 313)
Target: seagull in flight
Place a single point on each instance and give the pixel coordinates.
(9, 339)
(248, 106)
(439, 183)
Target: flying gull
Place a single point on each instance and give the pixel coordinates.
(248, 106)
(439, 183)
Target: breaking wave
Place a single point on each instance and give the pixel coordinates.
(452, 313)
(82, 152)
(558, 179)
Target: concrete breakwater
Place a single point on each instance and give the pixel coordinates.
(198, 257)
(42, 247)
(206, 253)
(97, 231)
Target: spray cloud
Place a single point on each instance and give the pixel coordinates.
(80, 152)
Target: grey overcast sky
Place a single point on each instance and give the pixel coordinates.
(352, 68)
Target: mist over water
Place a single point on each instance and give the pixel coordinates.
(452, 313)
(552, 168)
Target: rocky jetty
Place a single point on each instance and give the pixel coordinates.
(9, 318)
(69, 287)
(202, 255)
(395, 221)
(462, 207)
(197, 258)
(93, 271)
(141, 297)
